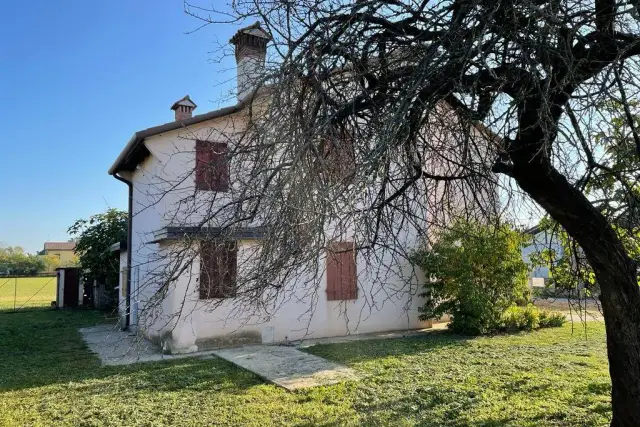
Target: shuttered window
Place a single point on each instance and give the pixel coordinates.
(341, 272)
(212, 168)
(218, 268)
(339, 157)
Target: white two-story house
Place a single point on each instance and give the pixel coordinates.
(181, 288)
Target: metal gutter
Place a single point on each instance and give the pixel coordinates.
(127, 320)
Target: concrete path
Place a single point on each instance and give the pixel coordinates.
(586, 311)
(287, 367)
(116, 347)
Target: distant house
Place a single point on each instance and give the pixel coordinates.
(64, 251)
(541, 240)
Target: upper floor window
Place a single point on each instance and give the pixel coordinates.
(212, 168)
(338, 155)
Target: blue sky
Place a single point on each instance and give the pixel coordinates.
(77, 78)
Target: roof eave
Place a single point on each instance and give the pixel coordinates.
(124, 153)
(120, 246)
(139, 137)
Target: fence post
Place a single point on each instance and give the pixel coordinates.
(15, 292)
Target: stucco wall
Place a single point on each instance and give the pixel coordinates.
(66, 257)
(163, 191)
(386, 305)
(163, 194)
(477, 201)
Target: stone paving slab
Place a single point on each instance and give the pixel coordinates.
(116, 347)
(287, 367)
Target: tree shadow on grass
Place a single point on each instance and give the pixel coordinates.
(9, 309)
(40, 348)
(447, 405)
(353, 352)
(442, 379)
(357, 351)
(44, 361)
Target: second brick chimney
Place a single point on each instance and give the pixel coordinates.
(251, 50)
(184, 108)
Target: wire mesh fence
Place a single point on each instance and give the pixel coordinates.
(27, 292)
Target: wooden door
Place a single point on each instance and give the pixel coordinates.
(71, 283)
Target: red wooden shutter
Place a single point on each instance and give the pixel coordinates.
(341, 272)
(229, 267)
(212, 167)
(349, 277)
(219, 167)
(333, 277)
(208, 269)
(218, 269)
(203, 158)
(339, 156)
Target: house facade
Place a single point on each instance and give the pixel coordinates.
(64, 252)
(185, 290)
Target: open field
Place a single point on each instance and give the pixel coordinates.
(28, 292)
(546, 378)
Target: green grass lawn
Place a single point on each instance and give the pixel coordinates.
(546, 378)
(28, 292)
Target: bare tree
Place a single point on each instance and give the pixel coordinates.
(430, 109)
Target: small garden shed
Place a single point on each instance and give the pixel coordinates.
(69, 293)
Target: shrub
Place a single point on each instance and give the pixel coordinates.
(474, 273)
(529, 318)
(93, 237)
(14, 260)
(521, 318)
(551, 319)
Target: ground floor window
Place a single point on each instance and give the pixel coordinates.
(218, 268)
(342, 281)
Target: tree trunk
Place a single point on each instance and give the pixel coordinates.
(616, 274)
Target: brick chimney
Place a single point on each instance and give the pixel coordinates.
(184, 108)
(251, 50)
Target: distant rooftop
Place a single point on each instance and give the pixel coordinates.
(60, 246)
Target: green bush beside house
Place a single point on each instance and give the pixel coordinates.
(476, 275)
